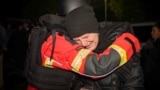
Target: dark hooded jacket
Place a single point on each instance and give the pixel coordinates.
(127, 77)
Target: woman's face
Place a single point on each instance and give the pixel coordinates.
(155, 33)
(88, 40)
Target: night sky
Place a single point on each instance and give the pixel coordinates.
(13, 8)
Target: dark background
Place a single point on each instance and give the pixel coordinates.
(11, 8)
(14, 8)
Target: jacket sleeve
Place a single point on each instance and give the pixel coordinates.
(75, 58)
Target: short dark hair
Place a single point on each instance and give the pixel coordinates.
(157, 24)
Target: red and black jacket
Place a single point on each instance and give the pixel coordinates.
(75, 58)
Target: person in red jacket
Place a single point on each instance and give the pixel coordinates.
(74, 57)
(71, 56)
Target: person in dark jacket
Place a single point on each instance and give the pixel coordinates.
(150, 59)
(129, 76)
(74, 57)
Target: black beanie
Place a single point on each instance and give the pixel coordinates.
(80, 21)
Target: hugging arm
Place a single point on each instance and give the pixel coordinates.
(75, 58)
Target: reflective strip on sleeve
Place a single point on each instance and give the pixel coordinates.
(48, 62)
(77, 62)
(121, 52)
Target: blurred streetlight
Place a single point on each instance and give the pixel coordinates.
(105, 6)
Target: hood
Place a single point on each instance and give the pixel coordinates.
(50, 19)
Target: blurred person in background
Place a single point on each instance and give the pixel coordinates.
(3, 42)
(150, 59)
(14, 59)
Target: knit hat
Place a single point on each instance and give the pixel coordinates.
(80, 21)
